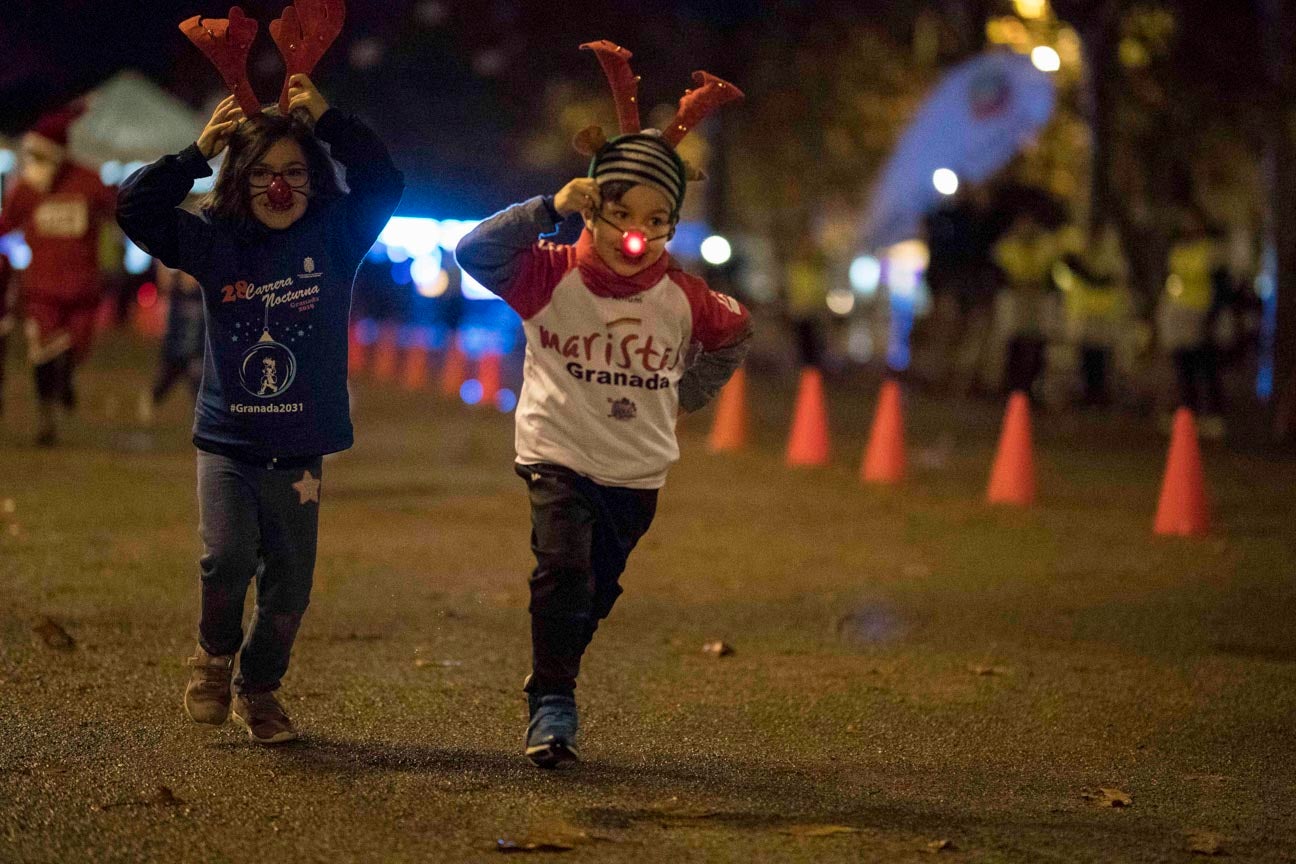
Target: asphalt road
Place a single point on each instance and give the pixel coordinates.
(913, 673)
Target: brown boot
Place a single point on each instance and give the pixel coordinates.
(207, 697)
(264, 717)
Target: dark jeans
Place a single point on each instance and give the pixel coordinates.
(1025, 363)
(1200, 389)
(581, 534)
(1093, 363)
(256, 521)
(171, 370)
(810, 342)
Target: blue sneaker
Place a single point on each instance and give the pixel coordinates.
(551, 735)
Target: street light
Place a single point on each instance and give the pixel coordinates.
(716, 250)
(945, 181)
(1031, 9)
(1046, 59)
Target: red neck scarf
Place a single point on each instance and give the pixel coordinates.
(601, 279)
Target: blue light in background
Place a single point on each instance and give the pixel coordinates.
(400, 272)
(367, 331)
(17, 249)
(471, 391)
(687, 242)
(505, 400)
(137, 261)
(1266, 284)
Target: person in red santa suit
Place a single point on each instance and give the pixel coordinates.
(60, 208)
(7, 303)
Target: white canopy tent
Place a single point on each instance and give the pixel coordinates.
(131, 119)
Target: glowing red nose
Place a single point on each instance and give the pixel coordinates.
(280, 194)
(633, 243)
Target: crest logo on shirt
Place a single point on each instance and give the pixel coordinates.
(623, 409)
(268, 369)
(308, 265)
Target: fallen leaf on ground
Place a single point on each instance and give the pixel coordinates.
(1206, 843)
(977, 669)
(674, 808)
(444, 664)
(1105, 797)
(819, 830)
(562, 838)
(164, 796)
(8, 505)
(503, 844)
(718, 648)
(941, 846)
(161, 796)
(54, 635)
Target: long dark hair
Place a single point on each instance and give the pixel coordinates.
(229, 201)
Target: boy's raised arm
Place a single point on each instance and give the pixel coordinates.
(505, 255)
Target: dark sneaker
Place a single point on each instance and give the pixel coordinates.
(264, 717)
(207, 697)
(551, 735)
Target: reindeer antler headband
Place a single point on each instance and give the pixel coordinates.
(302, 34)
(648, 156)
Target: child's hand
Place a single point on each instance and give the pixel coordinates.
(216, 133)
(580, 195)
(302, 94)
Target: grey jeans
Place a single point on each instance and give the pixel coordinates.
(258, 521)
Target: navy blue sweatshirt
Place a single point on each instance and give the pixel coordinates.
(277, 303)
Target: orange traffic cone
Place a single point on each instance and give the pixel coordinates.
(729, 431)
(488, 375)
(414, 370)
(808, 443)
(884, 458)
(386, 355)
(1182, 510)
(356, 351)
(454, 369)
(1012, 480)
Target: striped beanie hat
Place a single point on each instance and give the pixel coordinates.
(647, 156)
(643, 158)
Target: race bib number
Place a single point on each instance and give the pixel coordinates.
(67, 219)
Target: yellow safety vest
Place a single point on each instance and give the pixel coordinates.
(1189, 283)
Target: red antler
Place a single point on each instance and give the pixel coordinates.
(303, 33)
(226, 42)
(615, 61)
(711, 93)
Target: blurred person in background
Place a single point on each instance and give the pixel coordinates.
(61, 208)
(8, 312)
(1097, 310)
(1027, 306)
(962, 278)
(806, 301)
(1197, 287)
(182, 344)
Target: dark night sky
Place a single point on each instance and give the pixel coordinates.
(442, 119)
(449, 125)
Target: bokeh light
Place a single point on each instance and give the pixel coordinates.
(716, 250)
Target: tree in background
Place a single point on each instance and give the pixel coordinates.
(1277, 20)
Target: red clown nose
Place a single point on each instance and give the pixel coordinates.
(634, 243)
(280, 195)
